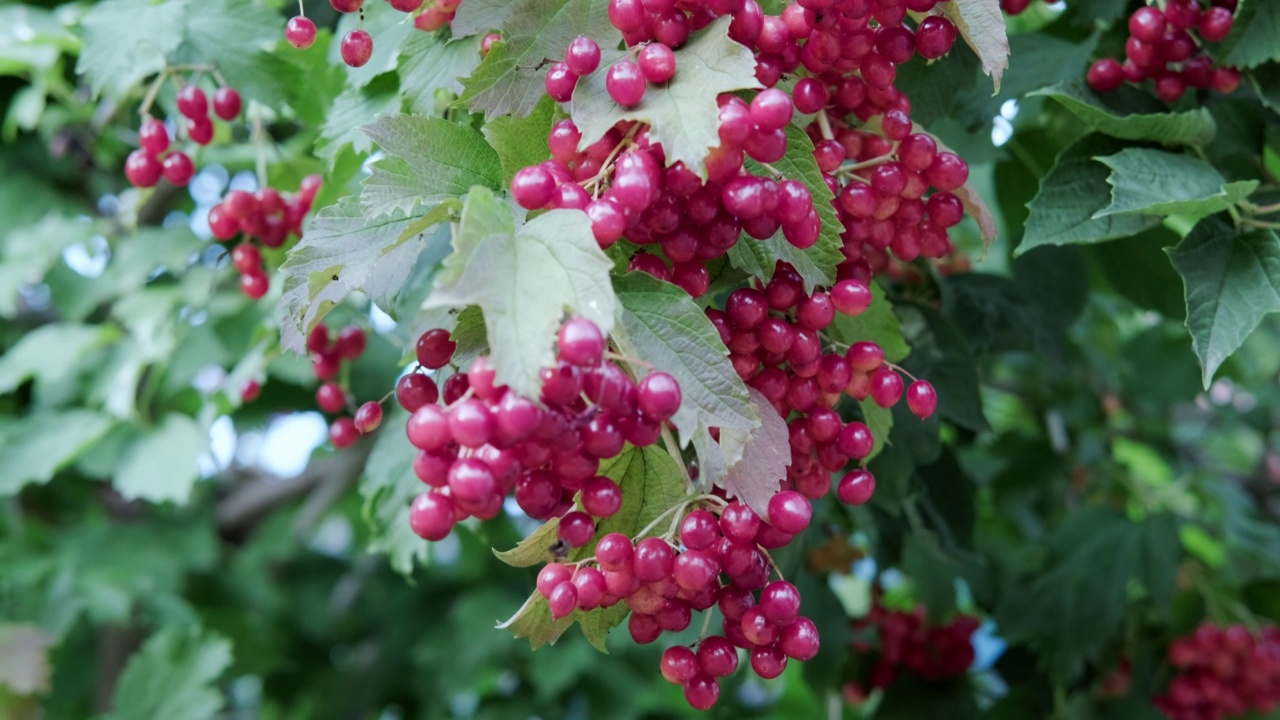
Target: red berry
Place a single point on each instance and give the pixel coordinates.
(254, 284)
(300, 32)
(245, 257)
(192, 102)
(343, 434)
(141, 169)
(153, 137)
(357, 46)
(331, 398)
(368, 417)
(625, 83)
(178, 169)
(226, 103)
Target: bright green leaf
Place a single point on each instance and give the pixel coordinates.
(428, 63)
(1074, 190)
(161, 464)
(388, 486)
(426, 160)
(1132, 115)
(525, 280)
(1232, 282)
(682, 114)
(880, 420)
(127, 40)
(51, 353)
(350, 111)
(174, 675)
(878, 324)
(1155, 182)
(521, 142)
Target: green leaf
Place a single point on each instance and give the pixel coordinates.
(339, 253)
(536, 549)
(51, 353)
(1232, 282)
(878, 324)
(940, 355)
(238, 36)
(350, 111)
(35, 447)
(126, 41)
(662, 326)
(651, 484)
(429, 64)
(880, 420)
(1074, 190)
(524, 280)
(510, 79)
(759, 458)
(682, 114)
(981, 24)
(1132, 115)
(426, 160)
(161, 465)
(1252, 41)
(1155, 182)
(388, 486)
(175, 674)
(521, 142)
(817, 264)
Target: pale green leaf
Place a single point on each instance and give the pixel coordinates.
(1155, 182)
(351, 110)
(1232, 282)
(174, 675)
(161, 464)
(127, 40)
(428, 63)
(662, 326)
(525, 280)
(880, 420)
(35, 447)
(426, 160)
(51, 353)
(682, 114)
(1074, 190)
(388, 486)
(510, 79)
(521, 142)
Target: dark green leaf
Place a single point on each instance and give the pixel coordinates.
(878, 324)
(1155, 182)
(1252, 41)
(1133, 115)
(524, 280)
(1232, 281)
(682, 114)
(1158, 286)
(940, 355)
(1071, 194)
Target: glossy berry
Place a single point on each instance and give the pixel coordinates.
(200, 130)
(227, 103)
(141, 169)
(657, 63)
(582, 56)
(193, 103)
(580, 342)
(415, 390)
(331, 398)
(178, 169)
(532, 187)
(679, 665)
(347, 6)
(659, 396)
(343, 433)
(790, 512)
(625, 83)
(560, 82)
(300, 32)
(254, 284)
(357, 46)
(153, 137)
(246, 258)
(1105, 75)
(922, 399)
(856, 487)
(435, 349)
(431, 516)
(368, 417)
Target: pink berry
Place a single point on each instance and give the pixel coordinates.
(300, 32)
(625, 83)
(357, 46)
(582, 56)
(368, 417)
(227, 103)
(141, 169)
(922, 399)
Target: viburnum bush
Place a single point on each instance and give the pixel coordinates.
(811, 358)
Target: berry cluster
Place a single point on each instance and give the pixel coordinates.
(776, 346)
(908, 642)
(357, 45)
(488, 441)
(1223, 672)
(156, 157)
(1162, 48)
(266, 216)
(327, 356)
(665, 579)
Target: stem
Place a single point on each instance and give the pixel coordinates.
(610, 355)
(656, 521)
(772, 564)
(1260, 209)
(706, 625)
(150, 98)
(773, 170)
(607, 165)
(301, 10)
(878, 160)
(258, 144)
(902, 370)
(825, 126)
(1267, 225)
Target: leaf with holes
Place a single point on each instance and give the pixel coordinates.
(682, 114)
(1232, 282)
(524, 281)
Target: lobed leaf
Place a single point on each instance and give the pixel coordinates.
(174, 675)
(1131, 115)
(161, 464)
(1156, 182)
(760, 456)
(426, 160)
(1232, 281)
(981, 24)
(682, 114)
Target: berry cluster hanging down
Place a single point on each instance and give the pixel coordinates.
(906, 642)
(1223, 672)
(328, 354)
(1162, 48)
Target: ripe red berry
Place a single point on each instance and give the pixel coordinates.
(922, 399)
(226, 103)
(254, 284)
(435, 349)
(368, 417)
(331, 398)
(153, 137)
(625, 83)
(178, 169)
(1105, 75)
(192, 102)
(657, 62)
(582, 56)
(300, 32)
(245, 257)
(141, 169)
(357, 46)
(343, 433)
